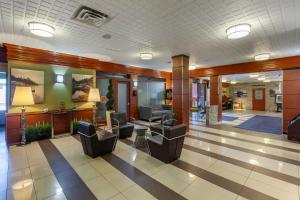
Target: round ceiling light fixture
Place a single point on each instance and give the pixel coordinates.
(254, 75)
(263, 56)
(238, 31)
(233, 82)
(41, 29)
(261, 78)
(192, 67)
(146, 56)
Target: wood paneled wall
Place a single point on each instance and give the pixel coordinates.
(181, 102)
(39, 56)
(216, 94)
(291, 96)
(249, 67)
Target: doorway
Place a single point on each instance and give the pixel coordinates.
(3, 98)
(123, 97)
(258, 99)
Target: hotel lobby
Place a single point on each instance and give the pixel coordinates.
(134, 100)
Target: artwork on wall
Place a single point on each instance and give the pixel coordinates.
(272, 93)
(240, 92)
(32, 78)
(81, 85)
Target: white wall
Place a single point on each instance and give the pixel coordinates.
(248, 87)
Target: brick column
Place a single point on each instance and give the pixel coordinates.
(216, 94)
(180, 74)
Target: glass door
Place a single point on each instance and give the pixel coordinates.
(123, 97)
(3, 98)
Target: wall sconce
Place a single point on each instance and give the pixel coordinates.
(59, 78)
(135, 83)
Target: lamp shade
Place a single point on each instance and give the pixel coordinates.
(22, 96)
(94, 95)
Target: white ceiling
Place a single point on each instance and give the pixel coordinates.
(166, 27)
(245, 78)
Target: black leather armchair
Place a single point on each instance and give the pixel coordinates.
(96, 142)
(120, 119)
(294, 128)
(167, 147)
(167, 120)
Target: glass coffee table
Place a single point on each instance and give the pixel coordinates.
(140, 139)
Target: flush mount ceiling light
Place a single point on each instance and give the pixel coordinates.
(224, 81)
(233, 82)
(146, 56)
(41, 29)
(261, 78)
(253, 75)
(192, 67)
(267, 81)
(263, 56)
(238, 31)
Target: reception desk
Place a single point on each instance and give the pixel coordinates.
(60, 122)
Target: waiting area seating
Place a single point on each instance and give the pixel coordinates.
(120, 119)
(167, 120)
(167, 147)
(96, 142)
(147, 112)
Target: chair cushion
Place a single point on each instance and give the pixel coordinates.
(127, 125)
(158, 139)
(169, 119)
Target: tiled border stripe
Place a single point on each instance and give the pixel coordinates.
(73, 187)
(287, 160)
(149, 184)
(215, 179)
(227, 184)
(225, 127)
(250, 141)
(267, 172)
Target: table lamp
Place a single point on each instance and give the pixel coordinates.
(23, 97)
(94, 97)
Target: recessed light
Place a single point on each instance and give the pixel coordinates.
(146, 56)
(253, 75)
(224, 81)
(261, 78)
(233, 82)
(263, 56)
(192, 67)
(41, 29)
(267, 81)
(238, 31)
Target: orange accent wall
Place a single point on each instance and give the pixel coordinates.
(291, 96)
(249, 67)
(32, 55)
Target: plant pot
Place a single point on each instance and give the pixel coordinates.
(108, 119)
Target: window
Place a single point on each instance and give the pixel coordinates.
(151, 93)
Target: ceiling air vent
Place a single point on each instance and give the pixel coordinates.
(90, 16)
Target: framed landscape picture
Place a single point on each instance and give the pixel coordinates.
(32, 78)
(81, 85)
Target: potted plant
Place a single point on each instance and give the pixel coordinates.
(38, 132)
(109, 103)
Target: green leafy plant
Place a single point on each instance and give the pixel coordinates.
(110, 96)
(38, 131)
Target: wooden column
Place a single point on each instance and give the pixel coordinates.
(291, 96)
(180, 74)
(216, 94)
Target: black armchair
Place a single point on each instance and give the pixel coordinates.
(167, 120)
(96, 142)
(120, 119)
(167, 147)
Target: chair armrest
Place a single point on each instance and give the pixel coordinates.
(118, 123)
(169, 139)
